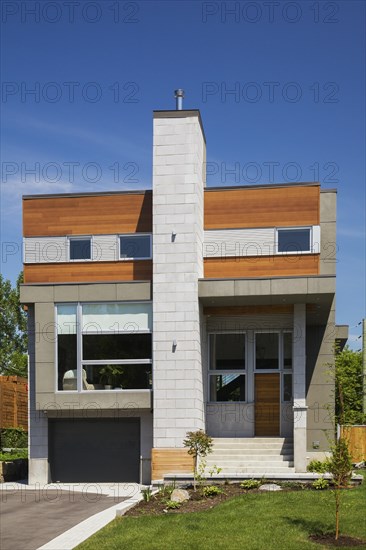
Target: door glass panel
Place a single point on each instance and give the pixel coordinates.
(287, 350)
(266, 350)
(227, 351)
(227, 387)
(287, 387)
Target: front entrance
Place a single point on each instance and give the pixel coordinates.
(267, 404)
(250, 383)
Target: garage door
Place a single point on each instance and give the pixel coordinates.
(94, 450)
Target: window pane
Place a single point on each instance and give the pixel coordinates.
(287, 350)
(227, 387)
(66, 319)
(135, 246)
(116, 346)
(287, 387)
(80, 249)
(117, 317)
(67, 362)
(294, 240)
(227, 351)
(121, 377)
(266, 350)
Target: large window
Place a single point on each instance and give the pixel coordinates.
(104, 346)
(227, 367)
(135, 247)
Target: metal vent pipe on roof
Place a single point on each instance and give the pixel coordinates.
(179, 95)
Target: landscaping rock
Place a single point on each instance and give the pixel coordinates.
(360, 465)
(179, 495)
(270, 487)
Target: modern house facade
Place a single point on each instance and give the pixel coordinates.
(157, 312)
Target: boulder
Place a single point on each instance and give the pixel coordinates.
(179, 495)
(270, 487)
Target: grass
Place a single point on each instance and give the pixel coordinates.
(254, 521)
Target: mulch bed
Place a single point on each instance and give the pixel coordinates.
(196, 503)
(342, 541)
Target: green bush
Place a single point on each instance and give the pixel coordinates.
(173, 505)
(13, 455)
(250, 484)
(320, 484)
(211, 491)
(15, 438)
(318, 466)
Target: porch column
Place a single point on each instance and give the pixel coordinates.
(299, 387)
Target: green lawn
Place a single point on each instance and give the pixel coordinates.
(279, 521)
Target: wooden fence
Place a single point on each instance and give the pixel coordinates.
(13, 402)
(356, 437)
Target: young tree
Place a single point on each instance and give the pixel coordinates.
(13, 326)
(349, 387)
(348, 407)
(199, 445)
(340, 466)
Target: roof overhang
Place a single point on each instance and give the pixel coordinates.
(318, 291)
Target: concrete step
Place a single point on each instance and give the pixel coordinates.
(251, 443)
(251, 451)
(267, 470)
(251, 458)
(256, 439)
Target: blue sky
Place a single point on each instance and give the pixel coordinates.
(280, 86)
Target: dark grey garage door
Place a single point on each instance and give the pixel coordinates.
(101, 450)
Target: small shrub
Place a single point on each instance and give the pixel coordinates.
(166, 490)
(320, 484)
(147, 494)
(14, 455)
(173, 505)
(318, 466)
(211, 491)
(14, 438)
(250, 484)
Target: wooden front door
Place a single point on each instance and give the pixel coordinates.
(267, 404)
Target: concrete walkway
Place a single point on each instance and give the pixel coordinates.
(59, 516)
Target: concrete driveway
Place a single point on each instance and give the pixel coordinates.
(30, 517)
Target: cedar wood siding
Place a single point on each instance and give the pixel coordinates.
(88, 215)
(255, 208)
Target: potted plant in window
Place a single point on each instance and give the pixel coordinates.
(108, 376)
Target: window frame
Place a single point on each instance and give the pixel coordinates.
(80, 238)
(131, 235)
(295, 228)
(238, 372)
(79, 349)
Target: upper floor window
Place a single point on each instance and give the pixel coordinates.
(135, 247)
(294, 241)
(80, 248)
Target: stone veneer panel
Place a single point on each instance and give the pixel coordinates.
(178, 156)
